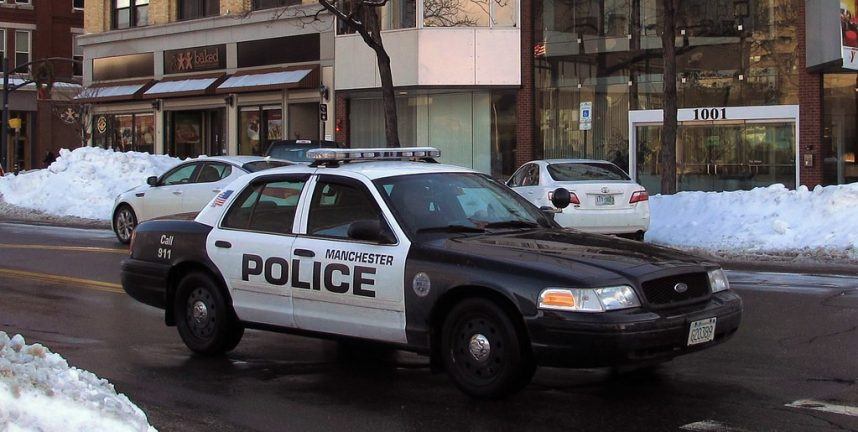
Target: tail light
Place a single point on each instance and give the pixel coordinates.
(573, 199)
(639, 196)
(131, 245)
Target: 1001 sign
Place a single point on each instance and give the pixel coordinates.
(710, 113)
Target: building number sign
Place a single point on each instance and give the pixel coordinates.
(710, 113)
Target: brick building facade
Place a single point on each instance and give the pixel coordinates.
(34, 30)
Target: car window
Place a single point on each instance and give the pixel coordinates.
(531, 176)
(180, 175)
(432, 201)
(336, 204)
(587, 171)
(212, 172)
(518, 177)
(270, 207)
(264, 165)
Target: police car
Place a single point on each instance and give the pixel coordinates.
(387, 246)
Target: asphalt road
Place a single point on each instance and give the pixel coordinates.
(798, 345)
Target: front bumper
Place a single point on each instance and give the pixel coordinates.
(146, 281)
(630, 337)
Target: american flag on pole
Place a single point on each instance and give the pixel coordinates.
(221, 198)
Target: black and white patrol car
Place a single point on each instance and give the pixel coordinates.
(384, 245)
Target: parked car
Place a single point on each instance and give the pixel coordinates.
(296, 150)
(184, 189)
(603, 197)
(370, 244)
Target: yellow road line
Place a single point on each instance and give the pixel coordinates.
(44, 277)
(64, 248)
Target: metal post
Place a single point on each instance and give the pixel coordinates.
(4, 127)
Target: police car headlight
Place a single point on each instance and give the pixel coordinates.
(589, 300)
(718, 281)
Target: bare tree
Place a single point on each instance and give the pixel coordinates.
(361, 16)
(74, 110)
(667, 156)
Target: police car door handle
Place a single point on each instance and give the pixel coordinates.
(223, 244)
(305, 253)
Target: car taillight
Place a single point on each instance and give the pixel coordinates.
(573, 199)
(639, 196)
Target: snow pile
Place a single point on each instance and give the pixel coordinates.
(40, 392)
(83, 182)
(821, 222)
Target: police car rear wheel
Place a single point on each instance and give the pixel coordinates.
(205, 322)
(482, 351)
(124, 223)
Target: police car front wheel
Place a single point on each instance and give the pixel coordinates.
(483, 352)
(203, 317)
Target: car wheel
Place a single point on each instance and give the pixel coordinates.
(205, 321)
(483, 352)
(124, 223)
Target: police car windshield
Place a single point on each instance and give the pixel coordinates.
(457, 202)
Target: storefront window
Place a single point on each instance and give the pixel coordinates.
(607, 53)
(304, 121)
(472, 129)
(395, 14)
(840, 119)
(124, 132)
(186, 134)
(258, 126)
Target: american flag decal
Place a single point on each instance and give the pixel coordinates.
(221, 199)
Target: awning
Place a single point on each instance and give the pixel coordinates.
(113, 93)
(270, 80)
(179, 87)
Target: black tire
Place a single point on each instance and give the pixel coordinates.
(124, 223)
(206, 323)
(504, 369)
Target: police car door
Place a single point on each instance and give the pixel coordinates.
(252, 247)
(352, 263)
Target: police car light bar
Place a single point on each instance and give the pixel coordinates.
(346, 155)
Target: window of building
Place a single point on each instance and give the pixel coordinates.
(77, 55)
(258, 126)
(22, 1)
(472, 129)
(2, 44)
(125, 132)
(193, 9)
(395, 14)
(77, 5)
(22, 47)
(130, 13)
(268, 4)
(469, 13)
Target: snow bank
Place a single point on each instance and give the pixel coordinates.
(822, 221)
(83, 182)
(40, 392)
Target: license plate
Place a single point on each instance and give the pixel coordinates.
(702, 331)
(604, 200)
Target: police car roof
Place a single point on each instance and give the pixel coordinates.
(375, 169)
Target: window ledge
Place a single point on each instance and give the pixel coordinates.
(17, 6)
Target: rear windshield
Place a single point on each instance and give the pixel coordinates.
(264, 165)
(586, 172)
(294, 153)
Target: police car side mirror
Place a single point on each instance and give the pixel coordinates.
(152, 181)
(370, 231)
(561, 198)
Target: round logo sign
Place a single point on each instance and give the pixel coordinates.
(101, 124)
(422, 284)
(680, 288)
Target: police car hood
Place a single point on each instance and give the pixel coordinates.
(592, 256)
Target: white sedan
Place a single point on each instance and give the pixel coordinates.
(187, 188)
(603, 199)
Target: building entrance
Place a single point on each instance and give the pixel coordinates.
(195, 133)
(724, 149)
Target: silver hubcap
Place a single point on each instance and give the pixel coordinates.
(480, 347)
(125, 224)
(200, 312)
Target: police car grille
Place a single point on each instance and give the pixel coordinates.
(661, 293)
